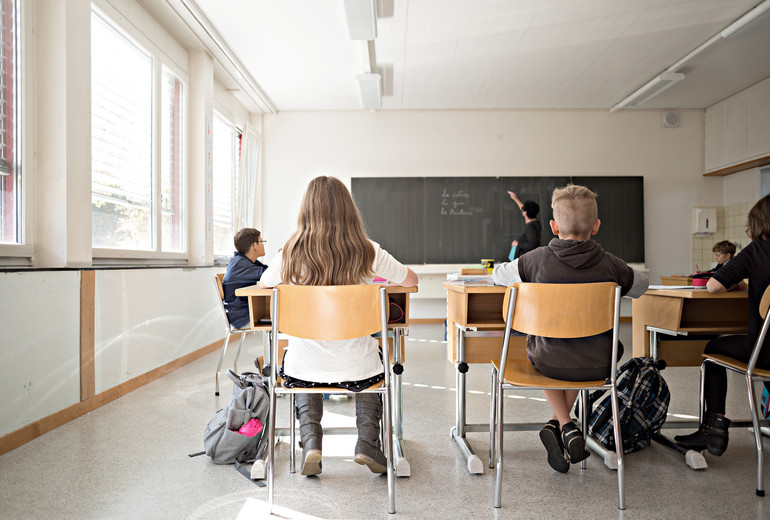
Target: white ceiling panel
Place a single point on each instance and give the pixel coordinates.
(490, 54)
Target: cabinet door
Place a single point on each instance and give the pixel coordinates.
(715, 137)
(758, 120)
(735, 128)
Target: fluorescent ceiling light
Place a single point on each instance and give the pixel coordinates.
(750, 22)
(362, 19)
(650, 90)
(369, 91)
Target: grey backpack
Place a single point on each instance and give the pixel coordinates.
(221, 440)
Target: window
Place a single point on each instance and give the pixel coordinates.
(172, 210)
(226, 154)
(137, 172)
(10, 173)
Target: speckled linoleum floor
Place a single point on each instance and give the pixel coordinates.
(129, 460)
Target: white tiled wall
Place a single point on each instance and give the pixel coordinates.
(731, 225)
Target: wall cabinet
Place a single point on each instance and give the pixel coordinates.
(738, 128)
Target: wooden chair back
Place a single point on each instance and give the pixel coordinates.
(329, 312)
(764, 303)
(218, 280)
(571, 310)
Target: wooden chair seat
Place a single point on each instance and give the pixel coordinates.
(522, 373)
(736, 365)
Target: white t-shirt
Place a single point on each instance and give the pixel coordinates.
(340, 360)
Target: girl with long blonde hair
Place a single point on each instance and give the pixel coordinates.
(330, 247)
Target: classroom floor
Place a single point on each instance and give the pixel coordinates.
(129, 460)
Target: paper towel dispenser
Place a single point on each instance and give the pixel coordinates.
(703, 220)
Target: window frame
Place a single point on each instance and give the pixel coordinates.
(21, 252)
(160, 61)
(222, 259)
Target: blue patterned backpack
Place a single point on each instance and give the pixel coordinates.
(643, 399)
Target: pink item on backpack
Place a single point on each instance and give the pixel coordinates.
(251, 428)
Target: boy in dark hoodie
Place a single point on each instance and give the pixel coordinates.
(571, 258)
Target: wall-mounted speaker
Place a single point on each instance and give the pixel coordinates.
(669, 118)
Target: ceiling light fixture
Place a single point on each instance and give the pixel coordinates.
(650, 90)
(369, 91)
(743, 27)
(362, 19)
(750, 22)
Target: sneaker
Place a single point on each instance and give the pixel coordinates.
(574, 443)
(311, 463)
(551, 439)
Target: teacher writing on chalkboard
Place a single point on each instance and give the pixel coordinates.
(530, 236)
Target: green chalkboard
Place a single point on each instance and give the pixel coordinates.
(439, 220)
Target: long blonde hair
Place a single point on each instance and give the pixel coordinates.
(330, 246)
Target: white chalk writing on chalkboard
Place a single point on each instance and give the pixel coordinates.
(455, 203)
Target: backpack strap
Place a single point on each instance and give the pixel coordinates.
(247, 473)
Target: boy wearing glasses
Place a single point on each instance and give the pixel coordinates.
(243, 270)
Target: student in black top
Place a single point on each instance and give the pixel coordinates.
(530, 236)
(753, 262)
(243, 270)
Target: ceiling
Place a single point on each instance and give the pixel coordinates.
(475, 54)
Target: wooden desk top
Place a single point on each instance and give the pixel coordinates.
(465, 289)
(696, 293)
(256, 290)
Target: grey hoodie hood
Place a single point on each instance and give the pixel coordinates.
(576, 254)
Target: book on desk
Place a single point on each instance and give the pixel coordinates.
(469, 279)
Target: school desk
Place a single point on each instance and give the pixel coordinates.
(690, 317)
(475, 329)
(260, 301)
(685, 313)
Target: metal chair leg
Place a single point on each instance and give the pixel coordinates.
(238, 353)
(499, 441)
(702, 394)
(292, 435)
(493, 394)
(271, 454)
(221, 358)
(387, 418)
(583, 419)
(757, 436)
(618, 449)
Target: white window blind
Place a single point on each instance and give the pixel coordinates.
(171, 178)
(10, 180)
(121, 133)
(226, 140)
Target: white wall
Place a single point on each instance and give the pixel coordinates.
(301, 145)
(40, 352)
(144, 318)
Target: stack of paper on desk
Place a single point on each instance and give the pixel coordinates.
(470, 279)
